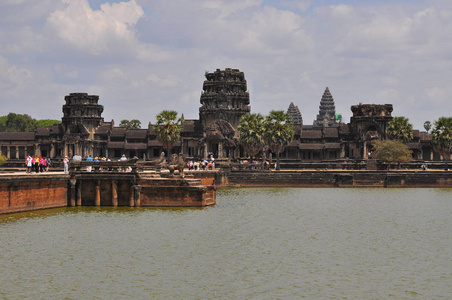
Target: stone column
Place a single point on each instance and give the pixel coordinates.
(220, 149)
(73, 192)
(137, 191)
(17, 152)
(131, 196)
(79, 194)
(52, 150)
(8, 152)
(114, 193)
(97, 198)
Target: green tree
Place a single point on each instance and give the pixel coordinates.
(17, 123)
(3, 158)
(46, 122)
(427, 126)
(279, 132)
(132, 124)
(251, 130)
(391, 151)
(135, 124)
(399, 128)
(168, 129)
(442, 137)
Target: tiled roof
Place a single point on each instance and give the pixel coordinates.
(331, 132)
(311, 134)
(308, 146)
(137, 133)
(17, 136)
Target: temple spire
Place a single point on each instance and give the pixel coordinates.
(327, 110)
(295, 114)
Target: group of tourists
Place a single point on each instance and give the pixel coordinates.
(201, 165)
(37, 164)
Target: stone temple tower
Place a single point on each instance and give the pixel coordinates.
(82, 115)
(224, 96)
(327, 110)
(224, 100)
(82, 109)
(295, 114)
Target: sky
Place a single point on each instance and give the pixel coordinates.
(145, 56)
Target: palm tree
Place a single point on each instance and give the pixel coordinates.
(251, 130)
(168, 129)
(442, 137)
(278, 133)
(399, 128)
(427, 126)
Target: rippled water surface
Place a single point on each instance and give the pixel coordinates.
(282, 243)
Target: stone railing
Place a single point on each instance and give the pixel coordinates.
(129, 165)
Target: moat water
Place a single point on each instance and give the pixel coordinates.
(267, 243)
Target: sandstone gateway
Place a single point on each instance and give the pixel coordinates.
(224, 100)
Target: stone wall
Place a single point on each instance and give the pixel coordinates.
(337, 178)
(32, 192)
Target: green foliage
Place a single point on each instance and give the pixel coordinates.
(3, 158)
(251, 129)
(17, 123)
(442, 136)
(132, 124)
(279, 132)
(124, 123)
(399, 128)
(427, 126)
(391, 151)
(47, 122)
(168, 128)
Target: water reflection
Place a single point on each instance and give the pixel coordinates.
(254, 244)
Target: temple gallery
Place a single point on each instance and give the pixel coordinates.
(224, 99)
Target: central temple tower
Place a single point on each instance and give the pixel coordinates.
(224, 100)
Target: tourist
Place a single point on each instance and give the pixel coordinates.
(37, 164)
(89, 168)
(48, 162)
(29, 162)
(123, 158)
(42, 164)
(66, 165)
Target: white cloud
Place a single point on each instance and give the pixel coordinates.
(97, 31)
(143, 56)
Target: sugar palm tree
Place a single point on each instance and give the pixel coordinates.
(251, 130)
(399, 128)
(168, 129)
(442, 137)
(278, 133)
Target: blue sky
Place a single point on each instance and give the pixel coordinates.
(144, 56)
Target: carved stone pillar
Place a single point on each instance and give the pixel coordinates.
(79, 194)
(8, 152)
(131, 196)
(73, 192)
(137, 191)
(97, 198)
(114, 193)
(17, 152)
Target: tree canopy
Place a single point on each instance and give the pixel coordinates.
(391, 151)
(47, 122)
(132, 124)
(21, 123)
(279, 132)
(168, 128)
(3, 158)
(399, 128)
(442, 136)
(251, 129)
(17, 123)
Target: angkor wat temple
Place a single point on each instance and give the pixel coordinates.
(224, 100)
